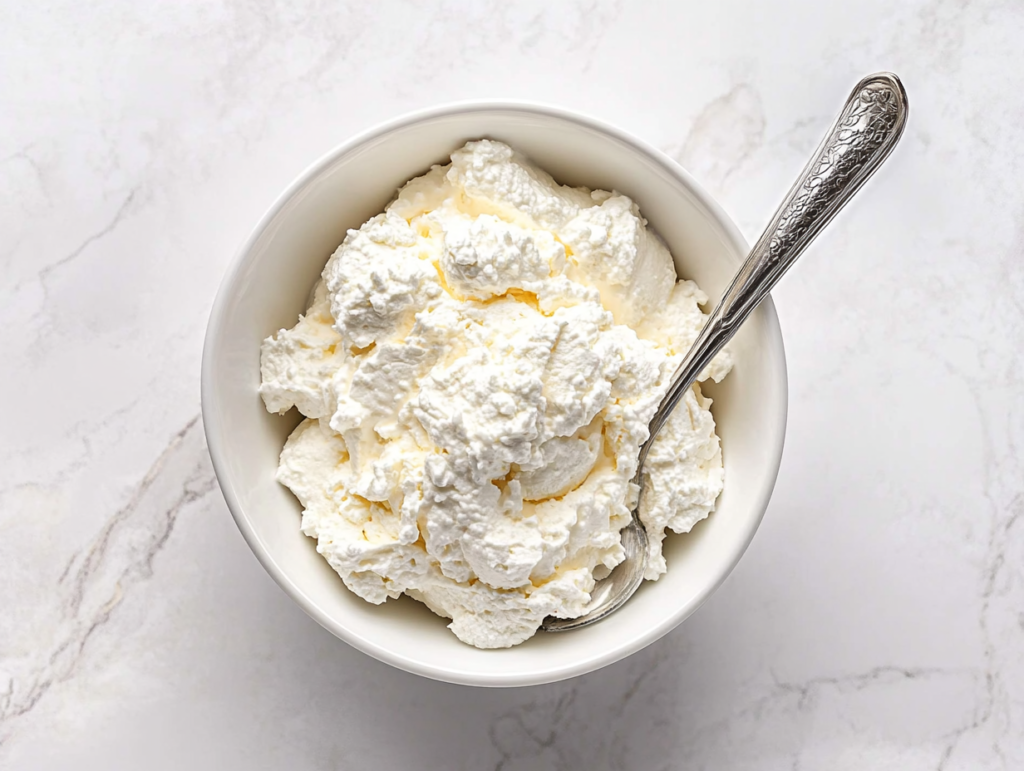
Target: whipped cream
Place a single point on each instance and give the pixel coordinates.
(477, 371)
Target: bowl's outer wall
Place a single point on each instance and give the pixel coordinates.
(266, 288)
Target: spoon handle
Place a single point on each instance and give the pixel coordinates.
(863, 135)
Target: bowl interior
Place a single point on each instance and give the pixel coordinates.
(267, 287)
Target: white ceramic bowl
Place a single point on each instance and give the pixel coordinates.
(266, 288)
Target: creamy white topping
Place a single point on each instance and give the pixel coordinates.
(477, 370)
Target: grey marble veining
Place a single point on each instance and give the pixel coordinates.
(877, 620)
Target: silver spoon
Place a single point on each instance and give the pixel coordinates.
(861, 138)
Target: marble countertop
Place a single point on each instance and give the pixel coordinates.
(877, 621)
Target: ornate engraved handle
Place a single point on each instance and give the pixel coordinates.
(863, 135)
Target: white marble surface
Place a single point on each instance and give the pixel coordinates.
(877, 620)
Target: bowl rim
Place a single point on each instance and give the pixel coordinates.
(213, 427)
